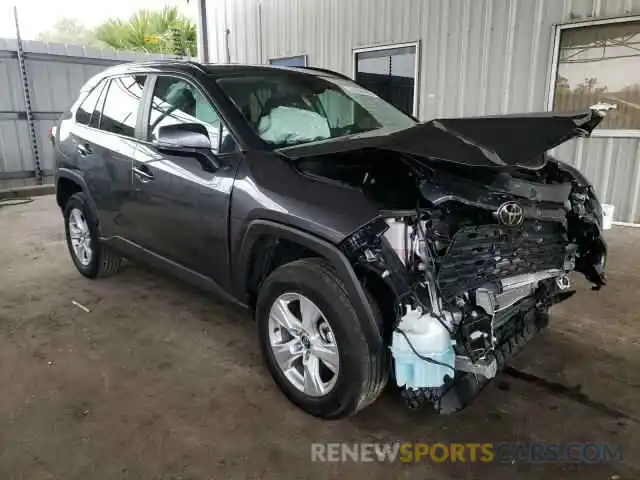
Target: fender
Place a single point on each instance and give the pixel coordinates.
(330, 252)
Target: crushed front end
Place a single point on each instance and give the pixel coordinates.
(474, 268)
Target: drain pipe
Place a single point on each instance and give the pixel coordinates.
(203, 31)
(26, 92)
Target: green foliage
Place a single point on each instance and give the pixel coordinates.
(164, 31)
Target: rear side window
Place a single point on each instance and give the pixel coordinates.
(88, 107)
(120, 110)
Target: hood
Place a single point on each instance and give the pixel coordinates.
(493, 141)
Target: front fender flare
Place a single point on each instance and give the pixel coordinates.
(357, 295)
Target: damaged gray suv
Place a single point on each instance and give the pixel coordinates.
(371, 248)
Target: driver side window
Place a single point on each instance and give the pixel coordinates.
(176, 101)
(345, 115)
(339, 112)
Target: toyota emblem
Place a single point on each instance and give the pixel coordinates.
(510, 214)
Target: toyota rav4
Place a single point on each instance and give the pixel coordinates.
(368, 246)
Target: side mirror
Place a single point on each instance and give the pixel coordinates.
(182, 136)
(187, 139)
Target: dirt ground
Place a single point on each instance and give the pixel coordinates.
(159, 380)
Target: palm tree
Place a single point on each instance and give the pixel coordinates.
(164, 31)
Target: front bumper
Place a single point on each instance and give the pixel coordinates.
(528, 317)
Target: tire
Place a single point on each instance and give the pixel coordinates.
(102, 261)
(362, 375)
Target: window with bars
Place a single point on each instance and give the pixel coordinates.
(599, 65)
(390, 73)
(297, 61)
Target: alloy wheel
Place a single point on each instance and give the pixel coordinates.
(303, 344)
(80, 237)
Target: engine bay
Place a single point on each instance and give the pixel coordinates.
(456, 316)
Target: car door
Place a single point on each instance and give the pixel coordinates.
(181, 201)
(108, 148)
(78, 134)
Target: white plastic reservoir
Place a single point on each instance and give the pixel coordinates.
(397, 234)
(431, 340)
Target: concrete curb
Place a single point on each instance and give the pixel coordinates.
(25, 192)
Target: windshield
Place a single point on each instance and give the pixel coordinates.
(289, 108)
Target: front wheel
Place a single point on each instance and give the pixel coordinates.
(312, 341)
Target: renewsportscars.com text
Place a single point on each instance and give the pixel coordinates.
(466, 452)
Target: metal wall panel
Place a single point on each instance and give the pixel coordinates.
(613, 166)
(477, 57)
(11, 89)
(56, 72)
(15, 152)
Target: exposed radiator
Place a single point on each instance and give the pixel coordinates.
(488, 253)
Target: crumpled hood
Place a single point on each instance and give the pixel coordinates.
(492, 141)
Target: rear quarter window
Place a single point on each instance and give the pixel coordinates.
(87, 108)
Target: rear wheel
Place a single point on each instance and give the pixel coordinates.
(313, 344)
(91, 258)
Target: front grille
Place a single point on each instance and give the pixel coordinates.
(487, 253)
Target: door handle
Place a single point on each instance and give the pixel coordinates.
(83, 149)
(142, 173)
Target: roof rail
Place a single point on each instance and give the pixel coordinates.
(326, 70)
(165, 61)
(193, 63)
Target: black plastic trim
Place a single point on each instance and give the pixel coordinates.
(134, 251)
(77, 178)
(260, 228)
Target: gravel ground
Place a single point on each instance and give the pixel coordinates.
(159, 380)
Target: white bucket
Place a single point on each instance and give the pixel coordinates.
(607, 216)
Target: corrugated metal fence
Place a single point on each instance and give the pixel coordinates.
(55, 73)
(477, 57)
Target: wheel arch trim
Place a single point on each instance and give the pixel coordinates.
(344, 270)
(77, 178)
